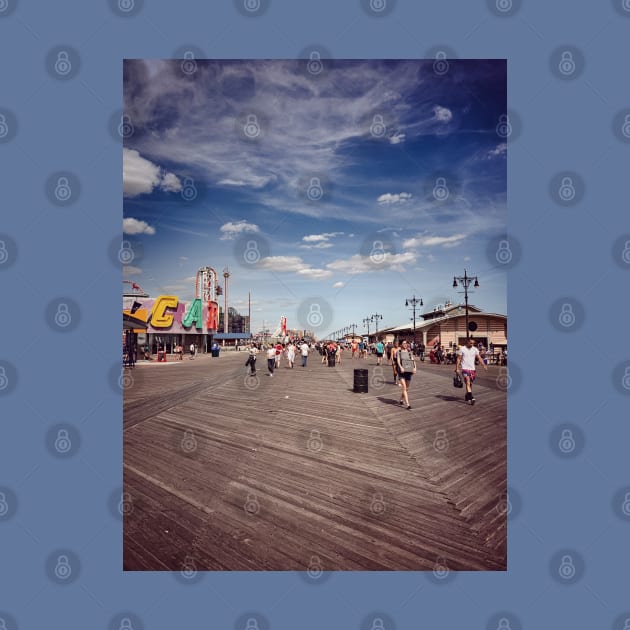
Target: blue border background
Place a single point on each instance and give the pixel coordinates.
(566, 377)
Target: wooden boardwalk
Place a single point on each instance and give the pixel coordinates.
(294, 471)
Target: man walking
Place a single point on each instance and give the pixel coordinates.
(304, 351)
(467, 359)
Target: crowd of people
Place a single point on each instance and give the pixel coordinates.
(401, 356)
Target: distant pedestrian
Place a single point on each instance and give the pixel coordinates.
(467, 359)
(380, 348)
(304, 351)
(278, 353)
(192, 350)
(406, 369)
(291, 354)
(271, 359)
(338, 352)
(393, 353)
(251, 359)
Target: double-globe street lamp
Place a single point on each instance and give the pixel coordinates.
(413, 302)
(465, 281)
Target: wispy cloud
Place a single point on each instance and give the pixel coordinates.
(231, 229)
(134, 226)
(394, 198)
(141, 176)
(433, 241)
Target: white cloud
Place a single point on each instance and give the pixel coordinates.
(171, 183)
(443, 114)
(316, 274)
(364, 264)
(232, 229)
(322, 241)
(339, 285)
(293, 264)
(135, 226)
(498, 151)
(397, 138)
(130, 270)
(141, 176)
(282, 263)
(183, 258)
(394, 198)
(322, 245)
(431, 241)
(320, 237)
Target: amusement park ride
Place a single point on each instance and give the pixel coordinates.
(206, 289)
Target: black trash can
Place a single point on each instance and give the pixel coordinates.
(361, 381)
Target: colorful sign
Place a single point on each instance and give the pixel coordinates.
(166, 314)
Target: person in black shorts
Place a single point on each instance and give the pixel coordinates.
(406, 363)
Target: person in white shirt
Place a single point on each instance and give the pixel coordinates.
(467, 359)
(304, 350)
(271, 359)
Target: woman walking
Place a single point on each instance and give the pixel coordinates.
(406, 369)
(393, 353)
(291, 354)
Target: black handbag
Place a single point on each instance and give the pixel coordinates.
(457, 380)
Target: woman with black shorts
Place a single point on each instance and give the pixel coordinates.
(406, 369)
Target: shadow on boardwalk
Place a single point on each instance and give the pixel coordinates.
(226, 472)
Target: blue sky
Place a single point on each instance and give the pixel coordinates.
(363, 185)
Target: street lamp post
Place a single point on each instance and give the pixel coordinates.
(413, 302)
(366, 322)
(374, 318)
(466, 280)
(353, 327)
